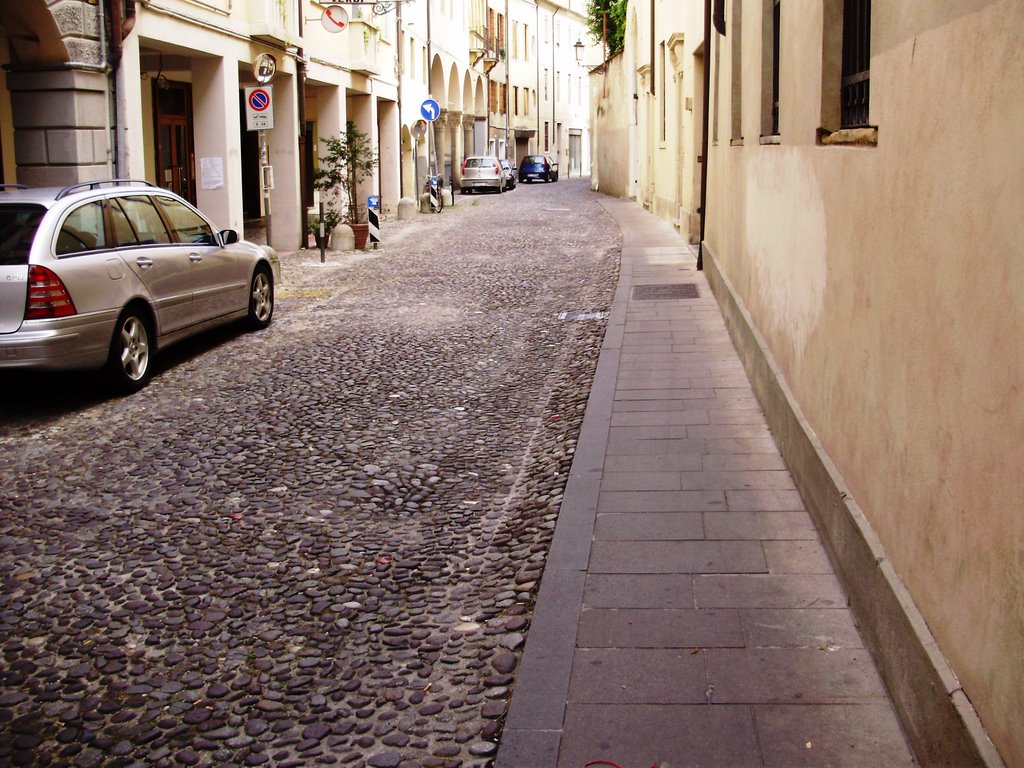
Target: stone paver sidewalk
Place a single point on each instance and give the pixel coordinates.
(688, 614)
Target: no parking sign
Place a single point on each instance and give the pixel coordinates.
(259, 107)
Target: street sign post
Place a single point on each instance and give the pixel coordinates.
(259, 107)
(430, 110)
(259, 116)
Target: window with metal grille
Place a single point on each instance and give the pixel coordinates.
(855, 90)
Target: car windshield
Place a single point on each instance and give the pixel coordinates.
(18, 224)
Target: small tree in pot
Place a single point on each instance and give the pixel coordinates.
(332, 218)
(347, 161)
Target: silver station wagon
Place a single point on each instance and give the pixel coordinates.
(102, 274)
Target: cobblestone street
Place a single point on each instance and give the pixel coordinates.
(318, 544)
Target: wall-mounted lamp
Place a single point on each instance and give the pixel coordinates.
(578, 48)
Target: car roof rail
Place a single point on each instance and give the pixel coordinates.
(13, 186)
(97, 183)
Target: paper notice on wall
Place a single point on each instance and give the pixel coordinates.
(211, 170)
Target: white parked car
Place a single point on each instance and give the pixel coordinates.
(103, 274)
(483, 172)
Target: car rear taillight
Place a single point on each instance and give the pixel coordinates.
(47, 296)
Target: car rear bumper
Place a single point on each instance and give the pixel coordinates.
(481, 183)
(58, 345)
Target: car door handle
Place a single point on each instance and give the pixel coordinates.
(195, 258)
(144, 262)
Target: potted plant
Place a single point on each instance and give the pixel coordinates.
(332, 218)
(347, 161)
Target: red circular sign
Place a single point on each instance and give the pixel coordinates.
(259, 100)
(334, 18)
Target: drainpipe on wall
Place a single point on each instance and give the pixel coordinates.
(554, 87)
(105, 67)
(508, 80)
(300, 61)
(431, 137)
(704, 132)
(401, 76)
(121, 26)
(537, 80)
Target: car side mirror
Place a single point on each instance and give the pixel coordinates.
(228, 236)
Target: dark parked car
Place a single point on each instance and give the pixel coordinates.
(538, 168)
(103, 274)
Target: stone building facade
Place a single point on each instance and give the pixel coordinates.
(156, 90)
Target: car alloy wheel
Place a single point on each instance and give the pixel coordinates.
(130, 353)
(261, 299)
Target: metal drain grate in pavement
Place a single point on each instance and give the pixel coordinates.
(665, 292)
(582, 316)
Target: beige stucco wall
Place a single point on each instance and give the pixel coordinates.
(888, 284)
(610, 95)
(664, 63)
(634, 155)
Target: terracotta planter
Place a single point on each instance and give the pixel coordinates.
(361, 232)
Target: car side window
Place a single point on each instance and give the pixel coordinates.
(124, 233)
(147, 228)
(82, 230)
(188, 225)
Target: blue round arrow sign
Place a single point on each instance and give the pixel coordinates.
(430, 110)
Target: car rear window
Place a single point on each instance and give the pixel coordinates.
(18, 225)
(479, 162)
(534, 159)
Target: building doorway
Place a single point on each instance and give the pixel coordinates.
(575, 152)
(175, 149)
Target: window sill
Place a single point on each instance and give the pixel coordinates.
(773, 139)
(736, 142)
(849, 137)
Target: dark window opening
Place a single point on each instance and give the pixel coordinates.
(854, 91)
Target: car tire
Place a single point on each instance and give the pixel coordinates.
(130, 362)
(261, 299)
